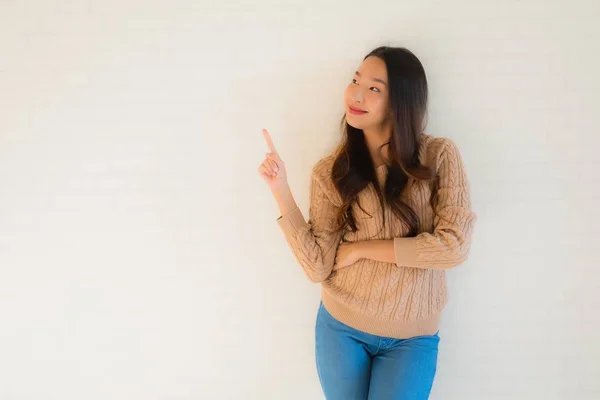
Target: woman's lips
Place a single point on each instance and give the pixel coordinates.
(356, 111)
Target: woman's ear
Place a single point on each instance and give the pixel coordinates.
(389, 116)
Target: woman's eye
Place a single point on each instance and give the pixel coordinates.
(373, 88)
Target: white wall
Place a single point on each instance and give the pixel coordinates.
(139, 253)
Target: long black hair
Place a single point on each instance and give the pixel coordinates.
(353, 168)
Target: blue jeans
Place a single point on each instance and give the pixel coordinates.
(354, 365)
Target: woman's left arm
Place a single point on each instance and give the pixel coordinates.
(449, 244)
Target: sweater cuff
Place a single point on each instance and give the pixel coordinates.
(405, 250)
(291, 222)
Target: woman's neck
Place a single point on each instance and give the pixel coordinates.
(376, 139)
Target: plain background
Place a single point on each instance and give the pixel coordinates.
(139, 253)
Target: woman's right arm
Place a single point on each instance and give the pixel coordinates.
(313, 242)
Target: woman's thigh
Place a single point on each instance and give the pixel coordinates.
(343, 362)
(406, 370)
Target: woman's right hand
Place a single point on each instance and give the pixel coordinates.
(272, 169)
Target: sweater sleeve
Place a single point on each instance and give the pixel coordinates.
(448, 246)
(313, 243)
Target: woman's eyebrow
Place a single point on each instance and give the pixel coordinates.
(374, 79)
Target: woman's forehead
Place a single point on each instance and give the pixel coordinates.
(373, 68)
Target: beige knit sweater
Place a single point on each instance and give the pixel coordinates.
(398, 300)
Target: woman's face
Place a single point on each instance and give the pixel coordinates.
(368, 92)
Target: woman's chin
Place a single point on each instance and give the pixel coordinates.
(353, 123)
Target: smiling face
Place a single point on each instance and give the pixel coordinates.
(366, 97)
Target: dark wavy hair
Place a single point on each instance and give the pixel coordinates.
(353, 168)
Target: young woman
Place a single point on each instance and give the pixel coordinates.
(390, 212)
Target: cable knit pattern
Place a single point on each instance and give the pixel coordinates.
(394, 300)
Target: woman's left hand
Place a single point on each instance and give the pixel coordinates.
(347, 254)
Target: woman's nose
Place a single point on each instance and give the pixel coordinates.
(358, 96)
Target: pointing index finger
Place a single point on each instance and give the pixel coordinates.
(269, 141)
